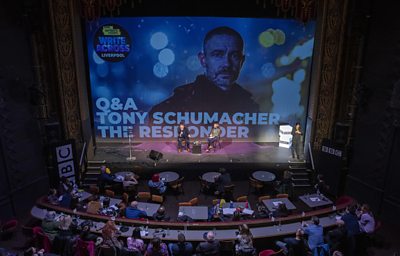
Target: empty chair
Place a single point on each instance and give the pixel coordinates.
(157, 198)
(93, 189)
(109, 193)
(242, 199)
(192, 202)
(8, 229)
(261, 198)
(93, 207)
(143, 196)
(282, 196)
(125, 198)
(256, 185)
(177, 186)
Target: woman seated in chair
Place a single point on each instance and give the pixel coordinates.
(244, 242)
(213, 138)
(156, 184)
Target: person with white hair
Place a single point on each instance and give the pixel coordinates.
(210, 246)
(49, 225)
(132, 212)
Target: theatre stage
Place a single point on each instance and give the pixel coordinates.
(232, 155)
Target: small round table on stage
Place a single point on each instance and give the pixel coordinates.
(169, 176)
(264, 176)
(210, 176)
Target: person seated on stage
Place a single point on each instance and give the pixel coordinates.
(183, 136)
(222, 180)
(213, 137)
(211, 246)
(132, 211)
(182, 247)
(105, 178)
(156, 184)
(160, 215)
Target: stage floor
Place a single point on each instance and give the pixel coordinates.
(236, 153)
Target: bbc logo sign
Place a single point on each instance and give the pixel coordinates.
(64, 157)
(332, 151)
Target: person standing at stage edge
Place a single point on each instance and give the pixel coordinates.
(297, 142)
(216, 90)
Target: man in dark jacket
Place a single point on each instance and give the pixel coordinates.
(210, 246)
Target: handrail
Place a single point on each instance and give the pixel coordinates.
(83, 155)
(311, 156)
(195, 225)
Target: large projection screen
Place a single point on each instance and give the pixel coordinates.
(148, 74)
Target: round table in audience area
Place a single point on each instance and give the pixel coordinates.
(264, 176)
(169, 176)
(210, 176)
(122, 174)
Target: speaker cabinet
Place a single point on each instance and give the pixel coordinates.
(155, 155)
(341, 133)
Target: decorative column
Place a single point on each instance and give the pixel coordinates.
(333, 19)
(61, 12)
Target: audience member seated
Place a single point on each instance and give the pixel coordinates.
(52, 197)
(129, 182)
(132, 211)
(157, 248)
(85, 234)
(366, 220)
(160, 214)
(281, 211)
(321, 186)
(222, 180)
(210, 246)
(135, 242)
(50, 226)
(181, 248)
(110, 236)
(156, 184)
(351, 221)
(294, 246)
(336, 238)
(66, 199)
(244, 243)
(65, 185)
(105, 178)
(315, 233)
(62, 243)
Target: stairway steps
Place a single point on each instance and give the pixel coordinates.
(90, 162)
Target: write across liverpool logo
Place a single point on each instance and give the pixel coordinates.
(112, 43)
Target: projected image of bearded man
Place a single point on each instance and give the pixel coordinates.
(216, 90)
